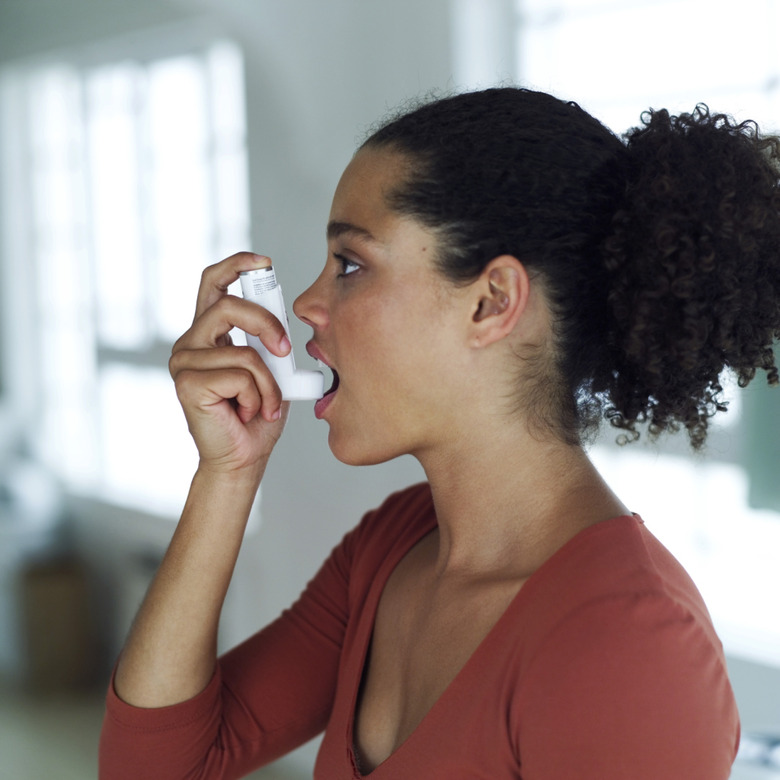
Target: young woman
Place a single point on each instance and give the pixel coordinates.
(502, 273)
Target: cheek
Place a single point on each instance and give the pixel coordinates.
(363, 328)
(390, 339)
(384, 342)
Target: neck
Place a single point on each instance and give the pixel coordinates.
(505, 502)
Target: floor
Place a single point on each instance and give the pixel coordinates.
(48, 737)
(55, 737)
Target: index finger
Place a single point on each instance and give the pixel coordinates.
(216, 278)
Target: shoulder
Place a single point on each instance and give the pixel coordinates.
(613, 587)
(617, 561)
(625, 668)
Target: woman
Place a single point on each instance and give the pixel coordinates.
(502, 272)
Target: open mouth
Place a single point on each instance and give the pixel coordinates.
(335, 384)
(322, 404)
(323, 366)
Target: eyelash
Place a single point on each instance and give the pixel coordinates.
(346, 263)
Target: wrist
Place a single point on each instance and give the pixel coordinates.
(228, 493)
(231, 476)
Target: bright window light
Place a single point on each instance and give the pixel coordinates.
(619, 58)
(137, 181)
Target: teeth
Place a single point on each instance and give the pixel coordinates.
(321, 364)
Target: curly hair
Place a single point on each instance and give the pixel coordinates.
(657, 250)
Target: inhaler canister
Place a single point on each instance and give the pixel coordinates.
(261, 287)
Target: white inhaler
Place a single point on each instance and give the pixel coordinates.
(260, 286)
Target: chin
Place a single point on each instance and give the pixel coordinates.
(357, 451)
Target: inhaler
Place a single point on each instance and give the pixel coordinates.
(261, 287)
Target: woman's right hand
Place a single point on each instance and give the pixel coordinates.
(233, 406)
(235, 413)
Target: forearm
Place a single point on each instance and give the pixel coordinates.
(171, 651)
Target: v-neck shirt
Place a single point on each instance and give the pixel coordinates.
(605, 665)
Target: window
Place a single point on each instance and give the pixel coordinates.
(129, 177)
(617, 58)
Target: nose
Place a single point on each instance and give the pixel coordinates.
(309, 306)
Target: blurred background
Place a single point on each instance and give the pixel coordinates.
(142, 140)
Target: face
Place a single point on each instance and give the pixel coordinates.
(385, 320)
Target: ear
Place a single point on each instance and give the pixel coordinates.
(500, 298)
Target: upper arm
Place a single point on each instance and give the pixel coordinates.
(268, 695)
(279, 685)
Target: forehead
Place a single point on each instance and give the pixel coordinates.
(360, 212)
(369, 177)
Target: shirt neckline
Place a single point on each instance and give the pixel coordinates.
(368, 620)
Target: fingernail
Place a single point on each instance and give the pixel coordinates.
(276, 415)
(284, 345)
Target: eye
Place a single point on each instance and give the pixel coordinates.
(348, 266)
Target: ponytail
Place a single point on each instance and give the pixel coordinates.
(694, 263)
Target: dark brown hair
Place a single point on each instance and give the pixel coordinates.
(658, 250)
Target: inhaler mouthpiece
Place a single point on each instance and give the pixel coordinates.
(260, 286)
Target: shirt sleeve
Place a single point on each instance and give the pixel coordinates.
(630, 686)
(270, 694)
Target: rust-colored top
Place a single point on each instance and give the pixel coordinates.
(605, 666)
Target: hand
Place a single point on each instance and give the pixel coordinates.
(232, 403)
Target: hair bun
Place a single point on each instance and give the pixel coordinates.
(695, 273)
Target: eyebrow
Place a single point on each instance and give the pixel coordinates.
(336, 229)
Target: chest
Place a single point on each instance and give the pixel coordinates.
(424, 637)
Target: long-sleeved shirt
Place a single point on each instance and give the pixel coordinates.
(605, 666)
